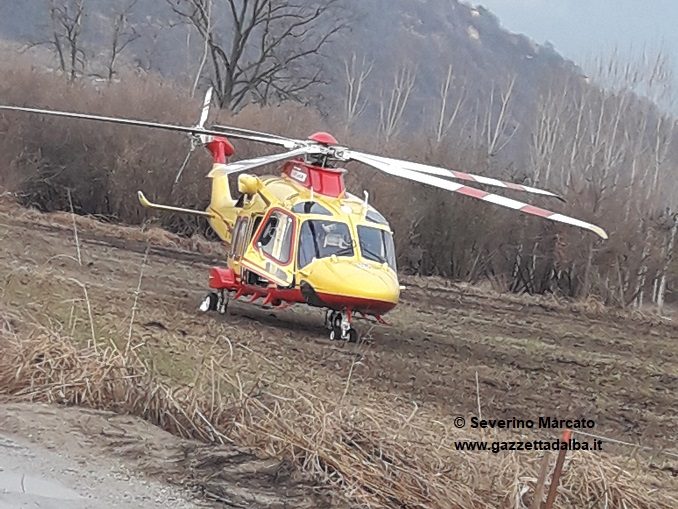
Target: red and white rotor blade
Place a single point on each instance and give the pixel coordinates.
(460, 175)
(250, 164)
(473, 192)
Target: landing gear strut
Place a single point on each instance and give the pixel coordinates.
(215, 302)
(339, 325)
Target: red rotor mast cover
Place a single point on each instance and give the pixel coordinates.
(325, 181)
(221, 149)
(323, 138)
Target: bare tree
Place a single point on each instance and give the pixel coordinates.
(609, 151)
(499, 127)
(392, 106)
(546, 137)
(264, 50)
(668, 258)
(66, 19)
(356, 74)
(446, 118)
(122, 36)
(205, 49)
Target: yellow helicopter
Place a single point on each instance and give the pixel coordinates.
(300, 237)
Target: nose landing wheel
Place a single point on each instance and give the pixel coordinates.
(339, 325)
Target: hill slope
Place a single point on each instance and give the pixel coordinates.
(426, 35)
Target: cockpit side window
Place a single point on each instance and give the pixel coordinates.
(377, 245)
(322, 239)
(375, 217)
(310, 207)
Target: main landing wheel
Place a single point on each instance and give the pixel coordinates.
(215, 302)
(340, 327)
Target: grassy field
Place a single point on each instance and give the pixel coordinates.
(371, 424)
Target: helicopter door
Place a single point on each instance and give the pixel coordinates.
(270, 254)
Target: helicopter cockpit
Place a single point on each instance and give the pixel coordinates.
(325, 238)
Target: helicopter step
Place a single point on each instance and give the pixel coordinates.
(339, 325)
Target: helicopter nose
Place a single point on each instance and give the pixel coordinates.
(338, 284)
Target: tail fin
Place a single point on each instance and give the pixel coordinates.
(221, 150)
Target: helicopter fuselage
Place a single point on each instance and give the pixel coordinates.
(301, 238)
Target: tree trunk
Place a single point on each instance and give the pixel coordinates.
(668, 256)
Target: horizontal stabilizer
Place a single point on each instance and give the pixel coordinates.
(150, 205)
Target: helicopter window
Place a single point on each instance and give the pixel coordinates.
(310, 207)
(268, 234)
(240, 237)
(375, 217)
(276, 238)
(322, 239)
(377, 245)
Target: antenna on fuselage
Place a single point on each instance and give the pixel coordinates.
(365, 203)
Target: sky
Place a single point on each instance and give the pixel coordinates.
(584, 29)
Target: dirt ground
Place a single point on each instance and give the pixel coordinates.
(56, 457)
(532, 356)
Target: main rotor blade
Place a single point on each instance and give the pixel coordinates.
(249, 164)
(460, 175)
(154, 125)
(205, 108)
(474, 193)
(255, 133)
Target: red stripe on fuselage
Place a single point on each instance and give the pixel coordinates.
(365, 306)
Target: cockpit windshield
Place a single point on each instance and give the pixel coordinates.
(322, 239)
(377, 245)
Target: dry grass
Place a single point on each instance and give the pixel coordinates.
(374, 457)
(148, 234)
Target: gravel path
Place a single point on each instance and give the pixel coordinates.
(56, 468)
